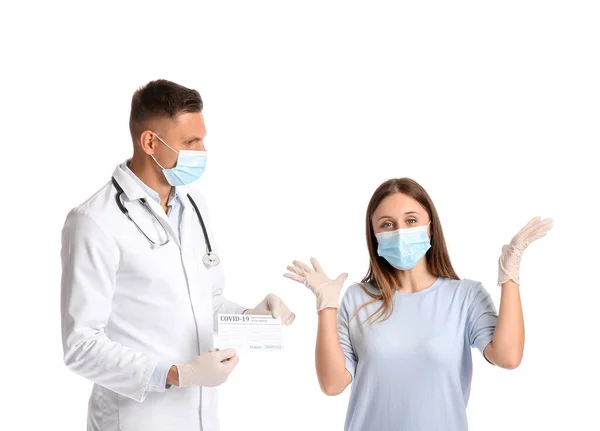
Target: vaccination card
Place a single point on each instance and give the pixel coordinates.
(248, 332)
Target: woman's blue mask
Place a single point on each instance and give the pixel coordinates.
(403, 248)
(190, 166)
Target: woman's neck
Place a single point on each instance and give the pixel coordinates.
(415, 279)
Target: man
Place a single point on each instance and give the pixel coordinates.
(141, 285)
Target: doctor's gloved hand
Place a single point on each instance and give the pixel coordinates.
(510, 259)
(274, 306)
(325, 289)
(209, 369)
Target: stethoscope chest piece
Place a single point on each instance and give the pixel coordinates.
(210, 259)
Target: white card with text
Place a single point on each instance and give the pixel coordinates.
(248, 332)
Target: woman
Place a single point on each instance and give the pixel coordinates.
(403, 336)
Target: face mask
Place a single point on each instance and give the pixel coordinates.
(190, 166)
(403, 248)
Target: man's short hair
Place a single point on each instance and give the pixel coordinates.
(160, 99)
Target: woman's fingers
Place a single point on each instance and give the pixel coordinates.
(294, 277)
(303, 266)
(316, 265)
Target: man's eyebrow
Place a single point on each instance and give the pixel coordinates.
(193, 138)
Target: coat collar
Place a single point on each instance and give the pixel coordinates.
(133, 191)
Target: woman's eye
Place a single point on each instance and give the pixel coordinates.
(411, 221)
(387, 224)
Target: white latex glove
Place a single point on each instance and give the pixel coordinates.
(210, 369)
(510, 259)
(274, 306)
(325, 289)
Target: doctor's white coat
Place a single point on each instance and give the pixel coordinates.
(127, 306)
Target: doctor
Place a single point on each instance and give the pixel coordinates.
(142, 281)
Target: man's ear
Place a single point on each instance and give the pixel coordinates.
(147, 142)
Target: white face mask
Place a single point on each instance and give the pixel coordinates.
(190, 166)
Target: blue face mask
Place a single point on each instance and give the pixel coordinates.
(190, 166)
(403, 248)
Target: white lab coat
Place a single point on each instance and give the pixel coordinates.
(127, 306)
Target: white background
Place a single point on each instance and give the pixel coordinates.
(493, 108)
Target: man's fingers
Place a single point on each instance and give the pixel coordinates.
(230, 364)
(277, 309)
(225, 354)
(290, 318)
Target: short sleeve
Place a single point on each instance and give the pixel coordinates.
(344, 335)
(482, 318)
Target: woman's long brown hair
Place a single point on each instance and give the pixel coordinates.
(381, 274)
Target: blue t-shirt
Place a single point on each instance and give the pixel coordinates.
(412, 372)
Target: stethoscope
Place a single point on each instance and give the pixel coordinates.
(209, 259)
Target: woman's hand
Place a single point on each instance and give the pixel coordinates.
(326, 290)
(330, 361)
(510, 259)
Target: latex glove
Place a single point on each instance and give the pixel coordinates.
(510, 259)
(325, 289)
(210, 369)
(274, 306)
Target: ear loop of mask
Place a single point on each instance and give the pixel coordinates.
(168, 146)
